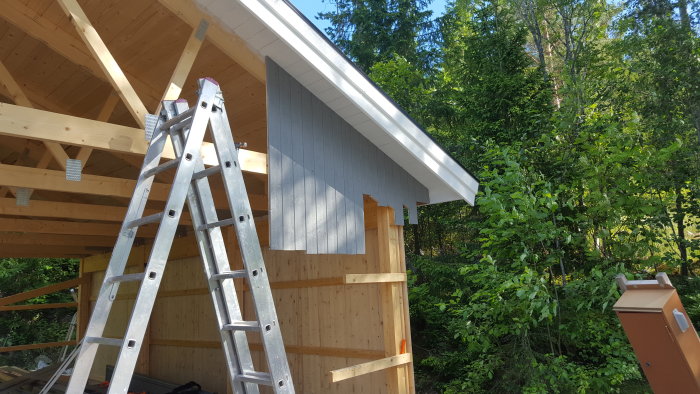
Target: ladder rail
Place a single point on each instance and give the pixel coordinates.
(215, 260)
(116, 266)
(186, 128)
(249, 245)
(143, 304)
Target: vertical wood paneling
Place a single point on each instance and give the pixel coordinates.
(336, 147)
(329, 176)
(275, 160)
(299, 196)
(287, 173)
(320, 168)
(350, 214)
(309, 176)
(319, 161)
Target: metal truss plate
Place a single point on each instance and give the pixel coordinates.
(74, 170)
(22, 196)
(151, 122)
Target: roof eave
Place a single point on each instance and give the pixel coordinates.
(281, 18)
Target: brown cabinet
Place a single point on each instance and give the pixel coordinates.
(663, 337)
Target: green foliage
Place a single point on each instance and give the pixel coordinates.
(587, 157)
(34, 326)
(581, 119)
(372, 31)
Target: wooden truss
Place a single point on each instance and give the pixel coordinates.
(77, 219)
(57, 135)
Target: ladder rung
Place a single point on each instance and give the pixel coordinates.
(209, 171)
(145, 220)
(160, 168)
(177, 119)
(229, 275)
(220, 223)
(127, 278)
(255, 377)
(242, 326)
(105, 341)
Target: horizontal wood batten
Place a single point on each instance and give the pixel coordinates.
(389, 277)
(292, 284)
(310, 350)
(38, 306)
(40, 291)
(36, 346)
(369, 367)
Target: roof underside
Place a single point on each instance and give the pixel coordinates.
(278, 31)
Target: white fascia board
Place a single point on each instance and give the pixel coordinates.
(291, 28)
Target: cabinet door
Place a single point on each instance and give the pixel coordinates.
(658, 352)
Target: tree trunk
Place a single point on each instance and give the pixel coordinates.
(548, 54)
(683, 12)
(680, 225)
(416, 239)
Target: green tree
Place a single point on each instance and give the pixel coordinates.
(34, 326)
(371, 31)
(661, 52)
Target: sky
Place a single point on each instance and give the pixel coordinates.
(311, 8)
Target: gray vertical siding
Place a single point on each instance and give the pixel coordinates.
(320, 168)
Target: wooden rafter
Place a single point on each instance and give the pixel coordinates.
(104, 58)
(42, 179)
(228, 43)
(16, 121)
(18, 96)
(184, 65)
(48, 32)
(69, 210)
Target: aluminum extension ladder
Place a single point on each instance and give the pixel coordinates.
(186, 128)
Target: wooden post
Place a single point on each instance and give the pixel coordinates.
(83, 300)
(394, 300)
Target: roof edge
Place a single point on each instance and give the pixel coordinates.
(309, 43)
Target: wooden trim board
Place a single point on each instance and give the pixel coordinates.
(369, 367)
(31, 307)
(40, 291)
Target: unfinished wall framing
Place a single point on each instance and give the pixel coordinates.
(342, 316)
(76, 78)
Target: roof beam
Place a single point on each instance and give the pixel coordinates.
(19, 98)
(69, 210)
(16, 121)
(68, 228)
(56, 239)
(27, 251)
(105, 112)
(228, 42)
(42, 179)
(104, 58)
(46, 31)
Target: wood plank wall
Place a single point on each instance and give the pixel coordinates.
(320, 167)
(326, 325)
